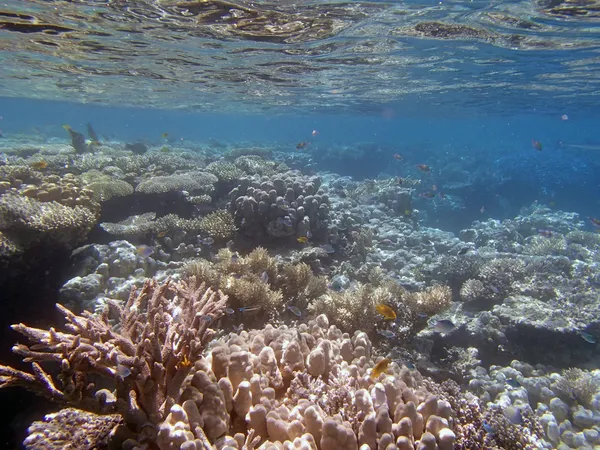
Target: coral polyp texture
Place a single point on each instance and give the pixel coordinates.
(309, 386)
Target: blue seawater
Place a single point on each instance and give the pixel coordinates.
(487, 113)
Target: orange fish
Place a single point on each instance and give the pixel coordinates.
(427, 194)
(302, 145)
(386, 311)
(423, 167)
(380, 368)
(594, 221)
(537, 145)
(39, 165)
(398, 157)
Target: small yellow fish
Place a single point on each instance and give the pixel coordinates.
(379, 368)
(39, 165)
(407, 212)
(164, 135)
(387, 312)
(67, 127)
(302, 239)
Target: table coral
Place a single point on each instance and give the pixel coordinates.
(188, 181)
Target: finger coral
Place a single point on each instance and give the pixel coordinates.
(142, 352)
(307, 387)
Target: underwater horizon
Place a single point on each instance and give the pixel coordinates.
(259, 225)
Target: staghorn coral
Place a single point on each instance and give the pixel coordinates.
(142, 351)
(188, 181)
(218, 225)
(351, 309)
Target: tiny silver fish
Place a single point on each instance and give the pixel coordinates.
(248, 308)
(443, 326)
(386, 333)
(328, 248)
(587, 337)
(295, 311)
(229, 311)
(264, 277)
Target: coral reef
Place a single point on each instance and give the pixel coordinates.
(290, 205)
(143, 350)
(198, 182)
(561, 409)
(218, 225)
(72, 428)
(308, 386)
(27, 219)
(259, 283)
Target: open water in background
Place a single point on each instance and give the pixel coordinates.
(466, 84)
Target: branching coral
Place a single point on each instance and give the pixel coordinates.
(32, 220)
(431, 301)
(256, 165)
(546, 246)
(576, 386)
(218, 225)
(257, 280)
(354, 309)
(225, 171)
(72, 429)
(143, 350)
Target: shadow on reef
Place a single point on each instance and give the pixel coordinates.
(28, 294)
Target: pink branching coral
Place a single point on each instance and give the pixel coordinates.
(140, 352)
